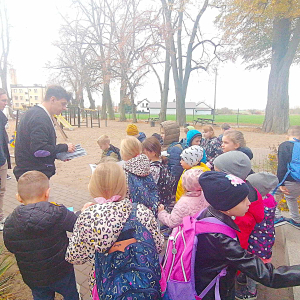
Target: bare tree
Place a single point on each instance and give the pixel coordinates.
(188, 50)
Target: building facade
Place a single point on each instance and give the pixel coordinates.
(142, 106)
(27, 96)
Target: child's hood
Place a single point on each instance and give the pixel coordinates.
(172, 132)
(139, 165)
(36, 217)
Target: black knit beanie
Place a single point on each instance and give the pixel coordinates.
(223, 191)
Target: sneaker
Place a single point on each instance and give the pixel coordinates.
(280, 221)
(243, 294)
(293, 223)
(241, 279)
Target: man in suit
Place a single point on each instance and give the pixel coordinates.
(36, 147)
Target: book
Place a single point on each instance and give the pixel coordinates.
(79, 151)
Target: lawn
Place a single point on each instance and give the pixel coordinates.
(243, 119)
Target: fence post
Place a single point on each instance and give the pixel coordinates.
(79, 111)
(237, 118)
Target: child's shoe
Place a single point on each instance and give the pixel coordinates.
(280, 221)
(244, 293)
(293, 223)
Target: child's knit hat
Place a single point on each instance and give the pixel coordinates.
(264, 182)
(190, 180)
(223, 191)
(192, 155)
(191, 134)
(234, 162)
(132, 129)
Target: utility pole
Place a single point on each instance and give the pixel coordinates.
(215, 97)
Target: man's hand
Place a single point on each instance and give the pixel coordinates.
(284, 190)
(71, 147)
(86, 205)
(160, 208)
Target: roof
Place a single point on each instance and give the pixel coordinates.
(189, 105)
(143, 101)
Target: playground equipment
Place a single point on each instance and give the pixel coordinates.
(81, 117)
(61, 120)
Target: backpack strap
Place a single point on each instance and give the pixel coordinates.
(213, 225)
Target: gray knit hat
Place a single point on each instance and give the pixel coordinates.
(192, 155)
(234, 162)
(264, 182)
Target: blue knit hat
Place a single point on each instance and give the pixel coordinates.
(191, 134)
(223, 191)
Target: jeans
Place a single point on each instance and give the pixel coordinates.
(3, 174)
(65, 286)
(291, 200)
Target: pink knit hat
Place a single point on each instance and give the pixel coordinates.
(190, 180)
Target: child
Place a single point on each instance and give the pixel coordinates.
(211, 145)
(190, 159)
(224, 127)
(170, 132)
(141, 185)
(227, 196)
(186, 130)
(193, 137)
(159, 170)
(132, 130)
(36, 233)
(238, 164)
(234, 140)
(262, 238)
(189, 204)
(289, 185)
(107, 148)
(99, 229)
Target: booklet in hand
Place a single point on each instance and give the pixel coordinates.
(79, 151)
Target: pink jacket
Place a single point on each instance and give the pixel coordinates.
(189, 204)
(186, 206)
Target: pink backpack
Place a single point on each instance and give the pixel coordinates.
(179, 259)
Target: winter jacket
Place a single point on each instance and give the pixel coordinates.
(262, 237)
(36, 234)
(188, 205)
(141, 185)
(141, 137)
(113, 152)
(215, 251)
(253, 216)
(285, 152)
(180, 190)
(99, 226)
(36, 147)
(212, 149)
(4, 152)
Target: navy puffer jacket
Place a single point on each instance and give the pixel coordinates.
(36, 234)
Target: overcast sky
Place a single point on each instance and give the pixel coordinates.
(35, 25)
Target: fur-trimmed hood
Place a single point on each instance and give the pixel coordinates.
(172, 132)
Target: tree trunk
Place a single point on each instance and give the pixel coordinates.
(104, 102)
(134, 120)
(92, 101)
(122, 106)
(110, 108)
(283, 52)
(165, 93)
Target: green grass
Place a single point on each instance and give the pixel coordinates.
(243, 119)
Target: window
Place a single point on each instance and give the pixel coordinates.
(16, 97)
(35, 90)
(27, 100)
(36, 97)
(30, 97)
(21, 97)
(17, 104)
(29, 90)
(15, 90)
(20, 91)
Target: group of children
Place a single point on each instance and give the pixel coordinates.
(160, 182)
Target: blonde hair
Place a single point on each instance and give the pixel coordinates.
(130, 147)
(32, 185)
(108, 180)
(294, 131)
(236, 137)
(209, 128)
(103, 139)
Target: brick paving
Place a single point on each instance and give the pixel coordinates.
(64, 195)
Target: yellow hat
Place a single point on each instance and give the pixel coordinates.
(132, 129)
